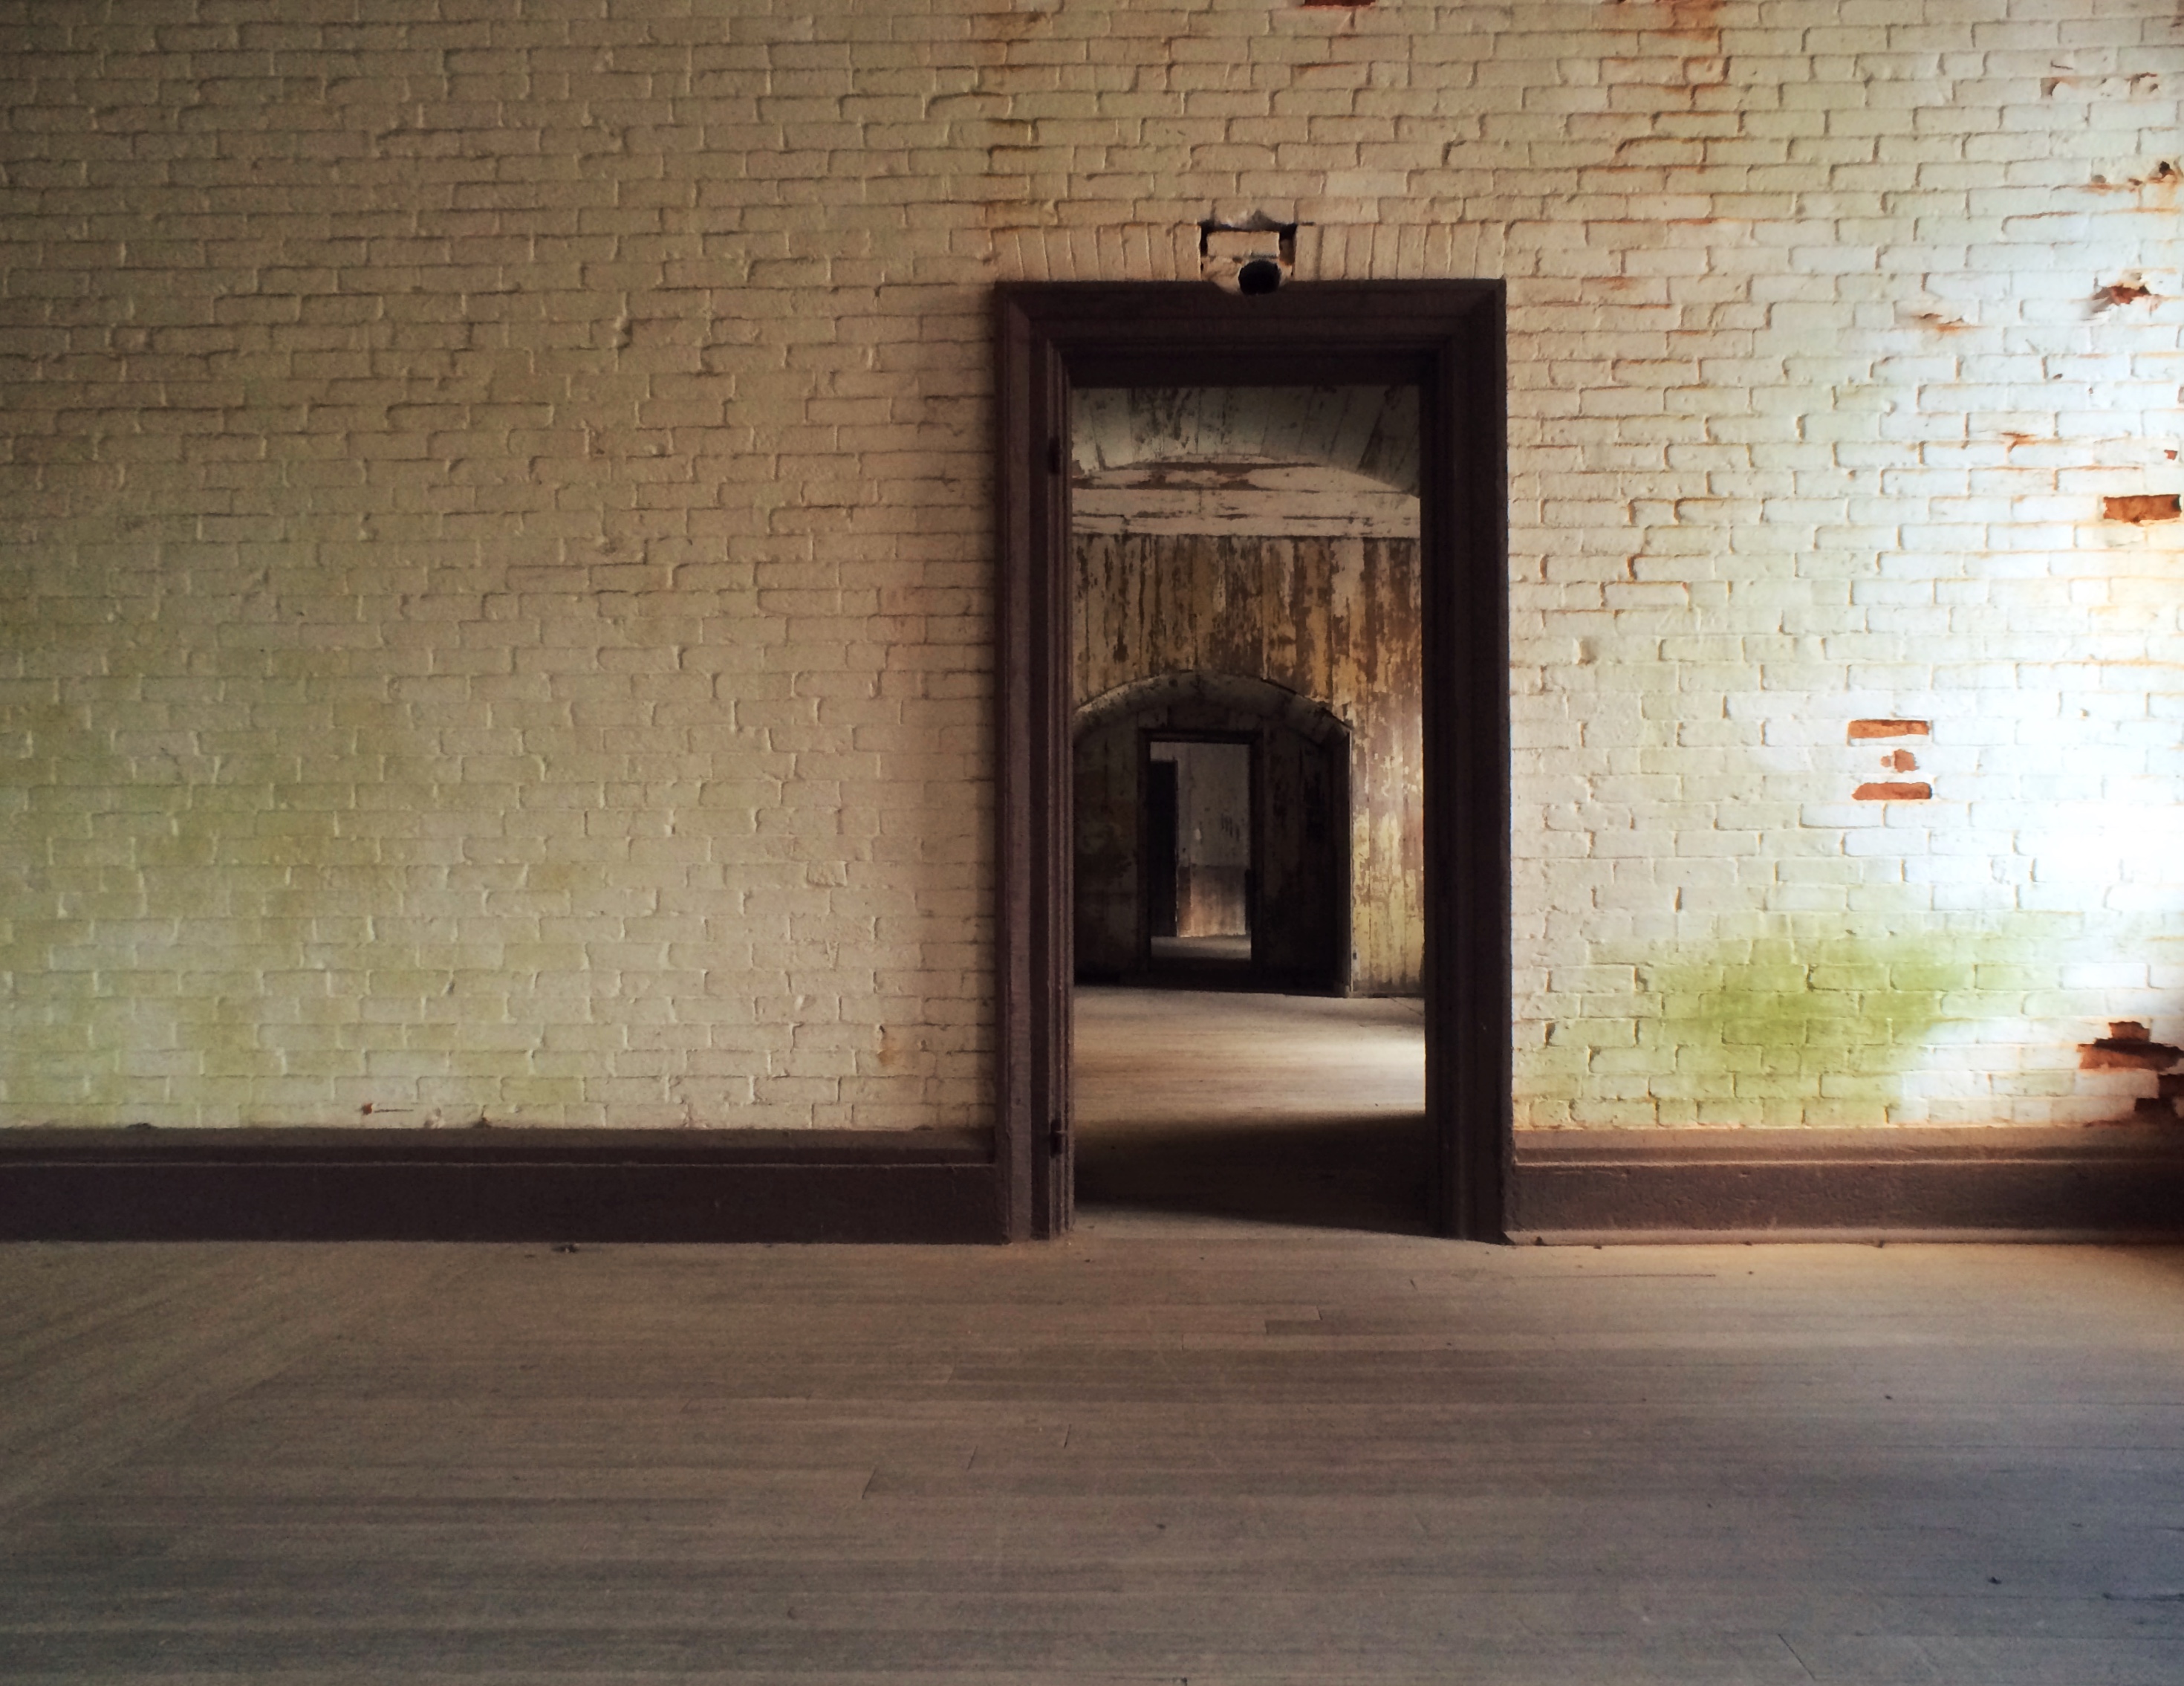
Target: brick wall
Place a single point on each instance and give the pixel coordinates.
(494, 536)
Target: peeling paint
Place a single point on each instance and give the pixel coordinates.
(2164, 174)
(2128, 87)
(2143, 509)
(1889, 728)
(2127, 1047)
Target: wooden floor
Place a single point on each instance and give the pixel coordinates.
(1240, 1427)
(1164, 1450)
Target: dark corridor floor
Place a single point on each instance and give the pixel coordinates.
(1301, 1110)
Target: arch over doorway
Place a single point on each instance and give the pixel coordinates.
(1238, 693)
(1295, 893)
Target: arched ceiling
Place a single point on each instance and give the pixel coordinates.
(1289, 461)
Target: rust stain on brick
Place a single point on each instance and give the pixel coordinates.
(2141, 508)
(1888, 729)
(1893, 793)
(2137, 82)
(2127, 1047)
(2163, 175)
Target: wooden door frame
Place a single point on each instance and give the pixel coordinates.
(1447, 338)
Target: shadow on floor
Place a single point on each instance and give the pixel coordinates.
(1362, 1173)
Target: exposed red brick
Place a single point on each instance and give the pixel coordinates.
(2123, 293)
(2143, 507)
(1888, 729)
(2127, 1053)
(1893, 793)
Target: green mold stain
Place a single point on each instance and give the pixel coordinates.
(239, 876)
(1854, 1005)
(1815, 1028)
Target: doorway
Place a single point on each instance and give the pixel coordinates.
(1444, 338)
(1210, 814)
(1198, 877)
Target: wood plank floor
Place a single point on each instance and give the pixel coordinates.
(1166, 1449)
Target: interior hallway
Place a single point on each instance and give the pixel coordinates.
(1290, 1109)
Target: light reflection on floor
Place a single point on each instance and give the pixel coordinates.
(1302, 1110)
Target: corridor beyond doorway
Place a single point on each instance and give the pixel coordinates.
(1303, 1110)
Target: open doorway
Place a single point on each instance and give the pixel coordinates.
(1442, 340)
(1246, 798)
(1199, 882)
(1213, 827)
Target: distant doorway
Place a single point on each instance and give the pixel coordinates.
(1211, 815)
(1199, 876)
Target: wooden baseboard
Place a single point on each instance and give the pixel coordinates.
(497, 1185)
(1719, 1185)
(602, 1186)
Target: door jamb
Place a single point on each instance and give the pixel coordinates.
(1448, 338)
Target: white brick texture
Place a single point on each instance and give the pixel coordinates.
(495, 545)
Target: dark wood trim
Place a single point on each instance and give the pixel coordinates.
(496, 1184)
(1445, 336)
(1033, 666)
(1464, 546)
(2004, 1184)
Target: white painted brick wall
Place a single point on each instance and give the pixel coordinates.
(494, 544)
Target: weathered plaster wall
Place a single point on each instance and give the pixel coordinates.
(493, 603)
(1334, 620)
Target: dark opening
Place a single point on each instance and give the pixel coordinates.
(1198, 860)
(1213, 838)
(1163, 850)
